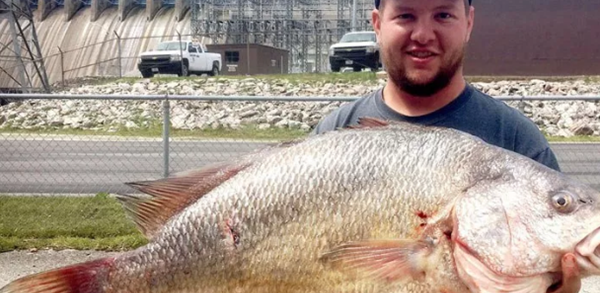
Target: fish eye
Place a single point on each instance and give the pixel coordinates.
(563, 202)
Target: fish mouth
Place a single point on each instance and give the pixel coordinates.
(587, 253)
(480, 278)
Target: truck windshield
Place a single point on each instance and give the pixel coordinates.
(366, 37)
(170, 46)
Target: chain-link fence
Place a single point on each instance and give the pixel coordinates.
(109, 151)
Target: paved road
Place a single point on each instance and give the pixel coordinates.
(88, 167)
(65, 166)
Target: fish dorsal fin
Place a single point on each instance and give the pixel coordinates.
(369, 122)
(372, 122)
(171, 195)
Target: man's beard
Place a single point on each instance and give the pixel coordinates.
(443, 77)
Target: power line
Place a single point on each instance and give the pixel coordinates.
(306, 28)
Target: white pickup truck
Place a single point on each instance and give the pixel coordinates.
(183, 59)
(357, 50)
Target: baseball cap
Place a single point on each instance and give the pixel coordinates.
(378, 1)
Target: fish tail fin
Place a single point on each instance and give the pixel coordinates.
(88, 277)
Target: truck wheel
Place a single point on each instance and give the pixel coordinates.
(335, 69)
(184, 70)
(147, 73)
(215, 70)
(376, 63)
(356, 69)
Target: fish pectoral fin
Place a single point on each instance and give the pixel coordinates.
(171, 195)
(382, 260)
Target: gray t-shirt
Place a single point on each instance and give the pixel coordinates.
(473, 112)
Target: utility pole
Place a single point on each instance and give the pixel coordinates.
(26, 48)
(353, 25)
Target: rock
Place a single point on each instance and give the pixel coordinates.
(179, 122)
(124, 86)
(230, 92)
(57, 122)
(264, 126)
(248, 114)
(570, 117)
(273, 119)
(294, 124)
(582, 129)
(282, 123)
(130, 125)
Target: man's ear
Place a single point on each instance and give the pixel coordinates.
(470, 22)
(376, 22)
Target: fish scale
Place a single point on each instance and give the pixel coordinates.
(385, 207)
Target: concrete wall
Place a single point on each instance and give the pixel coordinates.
(96, 9)
(181, 7)
(124, 7)
(45, 7)
(71, 7)
(152, 7)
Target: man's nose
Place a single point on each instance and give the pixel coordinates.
(423, 31)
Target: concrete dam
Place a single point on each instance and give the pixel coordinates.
(89, 37)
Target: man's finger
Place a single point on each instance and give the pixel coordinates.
(571, 282)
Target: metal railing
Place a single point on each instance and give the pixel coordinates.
(39, 162)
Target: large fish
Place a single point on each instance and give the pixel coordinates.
(375, 208)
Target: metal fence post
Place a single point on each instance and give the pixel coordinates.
(166, 127)
(181, 52)
(62, 65)
(119, 52)
(522, 105)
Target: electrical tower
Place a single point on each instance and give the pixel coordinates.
(23, 51)
(306, 28)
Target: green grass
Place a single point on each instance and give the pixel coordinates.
(97, 222)
(312, 78)
(248, 132)
(578, 138)
(295, 78)
(478, 78)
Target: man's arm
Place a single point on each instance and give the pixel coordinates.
(334, 120)
(548, 158)
(326, 124)
(531, 142)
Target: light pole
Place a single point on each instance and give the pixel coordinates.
(353, 15)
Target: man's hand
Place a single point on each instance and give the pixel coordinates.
(571, 280)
